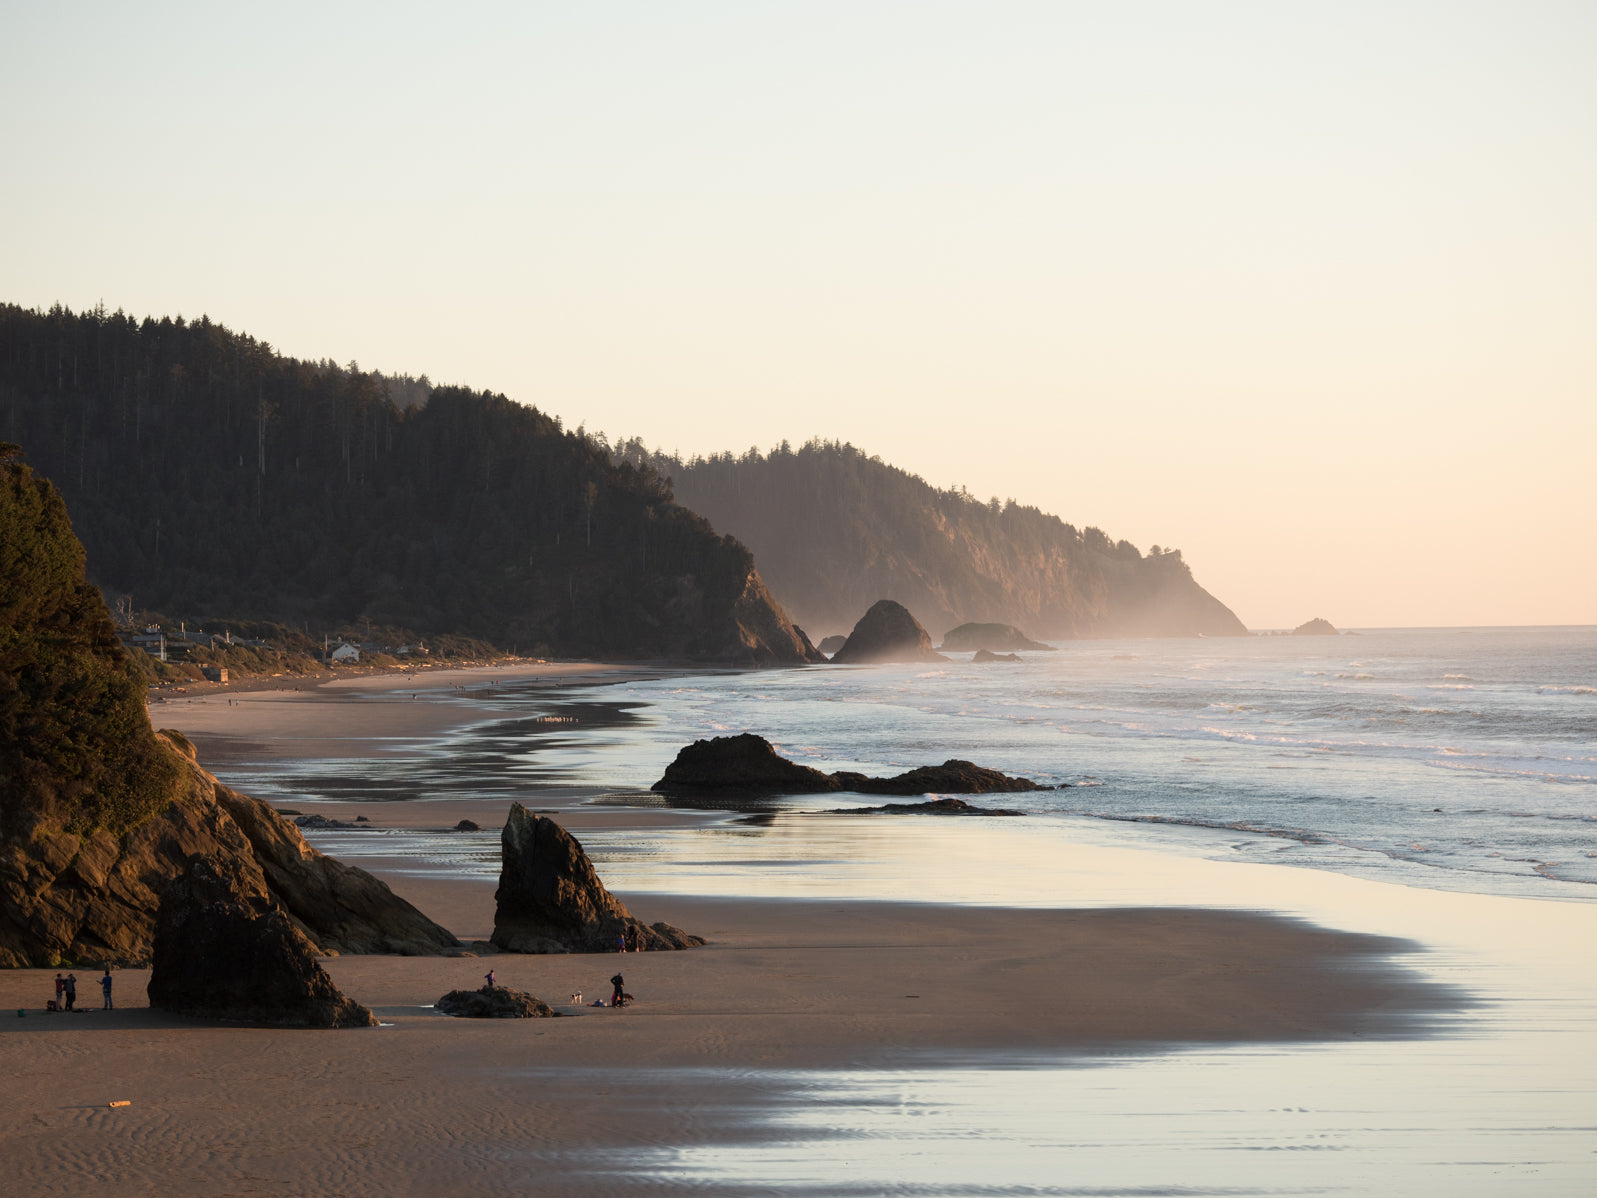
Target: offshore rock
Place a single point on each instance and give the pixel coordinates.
(930, 807)
(1316, 627)
(982, 655)
(832, 644)
(742, 764)
(494, 1002)
(224, 951)
(992, 637)
(747, 765)
(550, 899)
(887, 633)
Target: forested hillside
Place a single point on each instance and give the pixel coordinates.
(835, 530)
(210, 476)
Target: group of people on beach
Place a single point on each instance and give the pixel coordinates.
(631, 941)
(66, 991)
(618, 998)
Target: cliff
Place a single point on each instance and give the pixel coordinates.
(834, 529)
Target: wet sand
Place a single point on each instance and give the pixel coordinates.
(433, 1105)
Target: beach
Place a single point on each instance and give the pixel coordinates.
(838, 1042)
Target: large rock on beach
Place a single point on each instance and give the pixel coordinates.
(746, 764)
(223, 950)
(98, 811)
(550, 899)
(995, 638)
(494, 1002)
(887, 633)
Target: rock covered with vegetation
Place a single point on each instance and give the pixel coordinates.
(550, 899)
(209, 475)
(887, 633)
(98, 812)
(223, 950)
(746, 764)
(831, 526)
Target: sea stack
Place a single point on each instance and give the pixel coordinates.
(1316, 627)
(550, 899)
(223, 950)
(887, 633)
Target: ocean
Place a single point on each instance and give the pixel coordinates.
(1434, 785)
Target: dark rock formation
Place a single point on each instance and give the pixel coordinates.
(930, 807)
(224, 951)
(550, 900)
(742, 764)
(747, 765)
(993, 637)
(952, 777)
(832, 644)
(887, 633)
(494, 1002)
(1316, 627)
(985, 655)
(467, 825)
(320, 823)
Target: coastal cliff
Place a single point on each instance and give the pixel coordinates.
(98, 812)
(834, 529)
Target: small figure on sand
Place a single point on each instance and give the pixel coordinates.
(489, 978)
(105, 988)
(619, 998)
(60, 991)
(621, 943)
(71, 989)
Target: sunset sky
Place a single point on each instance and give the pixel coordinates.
(1308, 291)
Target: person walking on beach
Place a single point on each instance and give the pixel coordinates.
(105, 988)
(489, 978)
(619, 997)
(72, 989)
(60, 990)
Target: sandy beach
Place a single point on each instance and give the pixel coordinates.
(583, 1103)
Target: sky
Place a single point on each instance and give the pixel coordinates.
(1308, 291)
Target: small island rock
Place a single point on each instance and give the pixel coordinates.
(832, 644)
(982, 655)
(887, 633)
(1316, 627)
(991, 637)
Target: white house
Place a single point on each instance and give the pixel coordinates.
(346, 654)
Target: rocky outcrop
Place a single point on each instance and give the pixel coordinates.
(494, 1002)
(764, 634)
(1316, 627)
(550, 899)
(952, 777)
(969, 638)
(223, 950)
(746, 764)
(930, 807)
(887, 633)
(98, 813)
(93, 896)
(742, 764)
(984, 655)
(832, 644)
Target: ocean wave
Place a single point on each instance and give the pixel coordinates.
(1458, 677)
(1568, 690)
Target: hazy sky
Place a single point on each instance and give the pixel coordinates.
(1306, 290)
